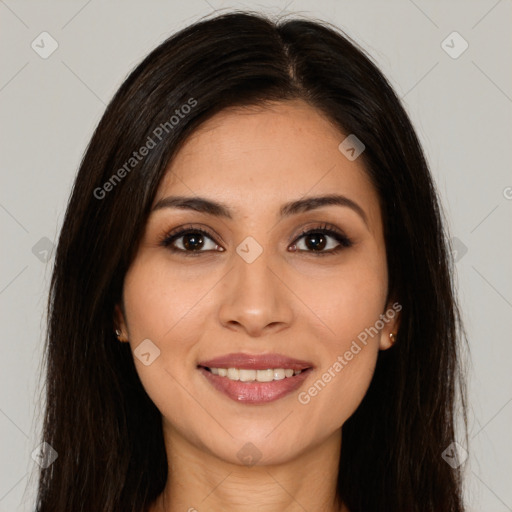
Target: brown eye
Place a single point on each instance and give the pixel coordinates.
(316, 241)
(191, 241)
(322, 241)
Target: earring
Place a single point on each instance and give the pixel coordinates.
(392, 338)
(118, 334)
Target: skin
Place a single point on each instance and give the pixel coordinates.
(294, 303)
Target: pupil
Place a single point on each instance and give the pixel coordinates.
(318, 241)
(193, 241)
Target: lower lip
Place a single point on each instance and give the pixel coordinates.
(255, 392)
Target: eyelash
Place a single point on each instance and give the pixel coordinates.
(325, 229)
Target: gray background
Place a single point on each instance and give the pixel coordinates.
(461, 108)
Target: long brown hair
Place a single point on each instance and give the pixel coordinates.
(98, 418)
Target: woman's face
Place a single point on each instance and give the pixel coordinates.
(255, 285)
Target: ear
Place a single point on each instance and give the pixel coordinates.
(120, 323)
(391, 320)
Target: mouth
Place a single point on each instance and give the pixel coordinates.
(255, 379)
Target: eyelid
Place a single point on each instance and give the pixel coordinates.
(189, 227)
(320, 226)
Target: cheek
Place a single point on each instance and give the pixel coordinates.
(165, 306)
(159, 298)
(348, 298)
(348, 358)
(347, 307)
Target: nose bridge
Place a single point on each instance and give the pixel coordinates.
(255, 297)
(254, 276)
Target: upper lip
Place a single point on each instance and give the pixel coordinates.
(256, 362)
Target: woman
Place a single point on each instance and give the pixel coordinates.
(252, 306)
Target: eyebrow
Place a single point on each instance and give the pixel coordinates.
(218, 209)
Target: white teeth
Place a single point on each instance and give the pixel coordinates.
(244, 375)
(233, 374)
(265, 375)
(279, 374)
(247, 375)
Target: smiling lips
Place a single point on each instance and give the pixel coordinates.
(255, 379)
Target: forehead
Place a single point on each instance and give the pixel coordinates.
(261, 157)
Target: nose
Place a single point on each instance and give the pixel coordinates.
(255, 298)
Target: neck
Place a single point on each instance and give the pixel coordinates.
(198, 480)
